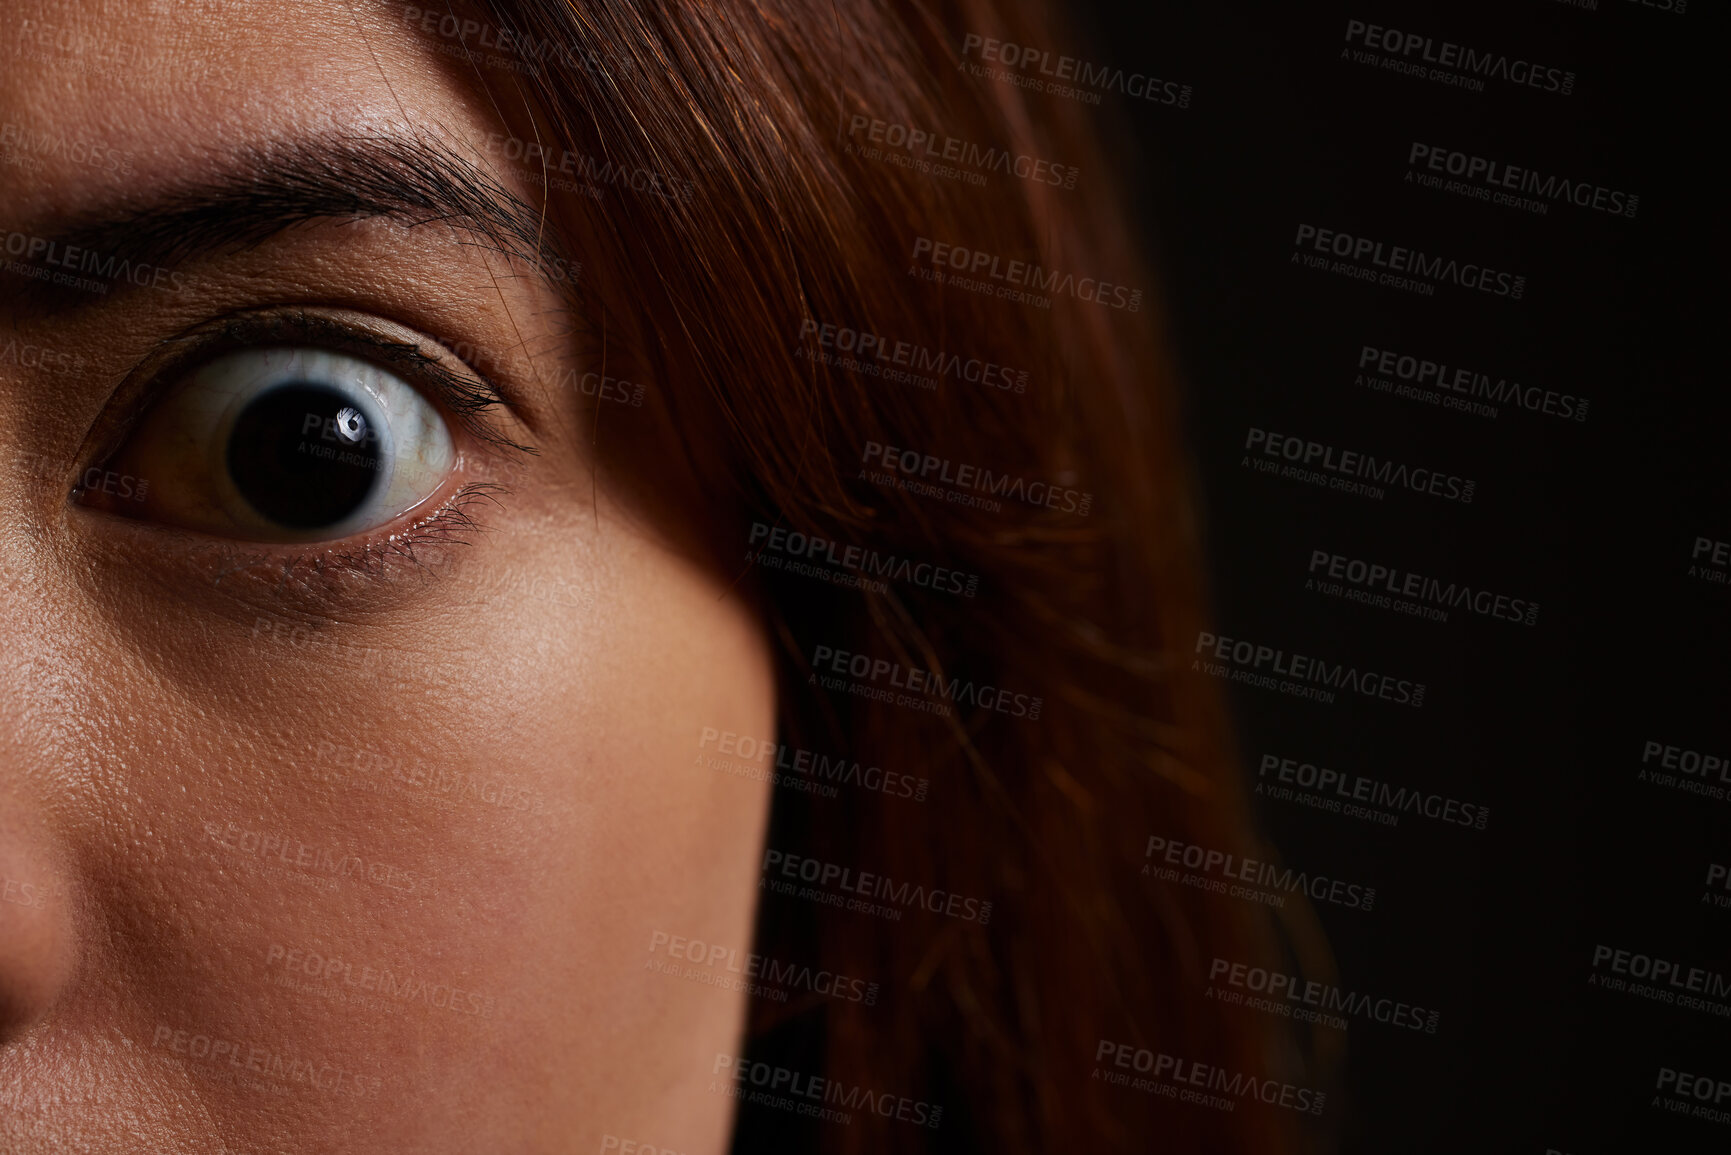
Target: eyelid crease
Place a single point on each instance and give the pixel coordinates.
(464, 396)
(467, 397)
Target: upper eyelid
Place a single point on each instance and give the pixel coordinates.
(467, 400)
(462, 397)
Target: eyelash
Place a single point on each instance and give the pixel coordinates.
(450, 524)
(467, 400)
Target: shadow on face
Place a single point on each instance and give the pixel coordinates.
(349, 758)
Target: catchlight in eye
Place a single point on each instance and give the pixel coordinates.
(290, 443)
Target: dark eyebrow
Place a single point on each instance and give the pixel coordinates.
(251, 195)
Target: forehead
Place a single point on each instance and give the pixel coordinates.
(109, 96)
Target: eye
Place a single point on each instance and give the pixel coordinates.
(280, 443)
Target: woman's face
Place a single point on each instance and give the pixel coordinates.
(349, 756)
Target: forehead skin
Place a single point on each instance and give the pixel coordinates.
(474, 800)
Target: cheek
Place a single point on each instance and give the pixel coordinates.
(669, 844)
(374, 880)
(601, 712)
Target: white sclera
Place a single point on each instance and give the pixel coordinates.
(185, 439)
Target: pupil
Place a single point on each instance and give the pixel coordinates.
(289, 456)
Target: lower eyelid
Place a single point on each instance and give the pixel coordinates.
(376, 567)
(368, 572)
(456, 520)
(249, 445)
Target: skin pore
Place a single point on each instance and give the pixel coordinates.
(311, 845)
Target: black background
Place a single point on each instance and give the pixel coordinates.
(1595, 520)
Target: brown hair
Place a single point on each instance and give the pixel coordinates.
(759, 218)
